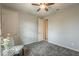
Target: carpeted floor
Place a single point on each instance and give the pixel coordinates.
(44, 48)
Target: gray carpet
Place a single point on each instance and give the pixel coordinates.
(43, 48)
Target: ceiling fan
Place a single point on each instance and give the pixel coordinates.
(43, 6)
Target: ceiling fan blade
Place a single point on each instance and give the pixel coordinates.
(38, 10)
(50, 4)
(46, 9)
(35, 4)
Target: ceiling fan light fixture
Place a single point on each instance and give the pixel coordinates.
(42, 6)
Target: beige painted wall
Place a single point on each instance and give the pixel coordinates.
(63, 28)
(10, 23)
(28, 28)
(21, 24)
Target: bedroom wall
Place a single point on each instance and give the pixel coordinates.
(23, 25)
(10, 23)
(63, 28)
(28, 28)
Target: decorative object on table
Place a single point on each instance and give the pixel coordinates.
(6, 42)
(6, 45)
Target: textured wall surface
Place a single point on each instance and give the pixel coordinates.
(63, 28)
(10, 23)
(28, 28)
(23, 25)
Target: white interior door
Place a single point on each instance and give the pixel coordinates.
(40, 29)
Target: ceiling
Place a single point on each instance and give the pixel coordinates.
(31, 9)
